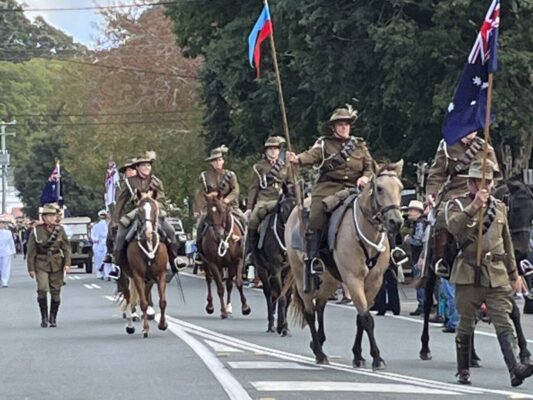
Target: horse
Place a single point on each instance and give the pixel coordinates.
(146, 261)
(222, 247)
(271, 261)
(519, 199)
(361, 256)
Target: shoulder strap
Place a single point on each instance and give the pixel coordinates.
(467, 157)
(339, 158)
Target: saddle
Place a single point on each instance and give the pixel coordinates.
(266, 223)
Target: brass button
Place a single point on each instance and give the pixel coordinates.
(347, 158)
(345, 177)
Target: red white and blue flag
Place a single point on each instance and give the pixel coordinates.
(466, 112)
(261, 31)
(111, 180)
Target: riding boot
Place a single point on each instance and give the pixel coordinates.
(314, 239)
(517, 371)
(462, 347)
(474, 358)
(441, 240)
(251, 245)
(43, 306)
(54, 306)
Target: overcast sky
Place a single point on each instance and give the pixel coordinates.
(78, 24)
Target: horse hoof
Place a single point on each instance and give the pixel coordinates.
(246, 310)
(123, 315)
(285, 333)
(145, 335)
(378, 364)
(270, 330)
(135, 318)
(209, 310)
(130, 330)
(359, 363)
(163, 327)
(150, 313)
(526, 360)
(426, 356)
(322, 360)
(223, 316)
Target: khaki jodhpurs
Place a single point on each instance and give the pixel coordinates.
(49, 282)
(259, 212)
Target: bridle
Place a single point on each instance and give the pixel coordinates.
(378, 211)
(223, 243)
(145, 205)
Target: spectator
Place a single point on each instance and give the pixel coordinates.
(7, 250)
(190, 249)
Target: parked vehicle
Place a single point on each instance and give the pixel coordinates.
(78, 233)
(181, 236)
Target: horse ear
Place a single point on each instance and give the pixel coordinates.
(153, 194)
(514, 186)
(138, 193)
(398, 167)
(374, 167)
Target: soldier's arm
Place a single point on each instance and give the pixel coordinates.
(233, 195)
(367, 161)
(31, 257)
(252, 192)
(459, 220)
(65, 248)
(437, 173)
(123, 197)
(509, 249)
(161, 197)
(313, 155)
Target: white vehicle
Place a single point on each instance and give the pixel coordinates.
(78, 233)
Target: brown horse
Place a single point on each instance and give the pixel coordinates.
(222, 247)
(361, 255)
(147, 260)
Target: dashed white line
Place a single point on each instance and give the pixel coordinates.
(88, 286)
(95, 286)
(271, 365)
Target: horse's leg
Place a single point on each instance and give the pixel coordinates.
(267, 292)
(217, 275)
(229, 288)
(425, 353)
(368, 324)
(357, 349)
(525, 355)
(140, 286)
(245, 308)
(208, 279)
(150, 311)
(130, 328)
(162, 290)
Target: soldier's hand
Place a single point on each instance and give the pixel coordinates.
(292, 157)
(32, 274)
(519, 286)
(430, 200)
(247, 213)
(481, 198)
(362, 181)
(67, 268)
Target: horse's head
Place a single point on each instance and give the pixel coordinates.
(287, 201)
(520, 216)
(217, 212)
(385, 194)
(148, 211)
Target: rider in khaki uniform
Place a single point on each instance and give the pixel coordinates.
(446, 180)
(268, 176)
(216, 179)
(494, 281)
(344, 162)
(49, 255)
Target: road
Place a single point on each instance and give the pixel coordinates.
(89, 355)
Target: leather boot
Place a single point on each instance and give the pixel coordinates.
(517, 371)
(251, 245)
(314, 239)
(462, 346)
(54, 306)
(441, 239)
(43, 306)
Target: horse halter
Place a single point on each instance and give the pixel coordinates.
(379, 211)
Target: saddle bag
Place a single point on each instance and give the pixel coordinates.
(333, 201)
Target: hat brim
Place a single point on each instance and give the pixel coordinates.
(141, 161)
(333, 121)
(212, 158)
(415, 208)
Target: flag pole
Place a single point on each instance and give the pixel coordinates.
(284, 115)
(483, 180)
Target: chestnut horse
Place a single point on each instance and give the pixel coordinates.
(222, 247)
(147, 260)
(361, 255)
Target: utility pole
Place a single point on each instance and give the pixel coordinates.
(4, 158)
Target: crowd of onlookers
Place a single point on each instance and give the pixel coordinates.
(13, 240)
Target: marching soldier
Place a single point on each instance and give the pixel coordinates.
(126, 207)
(344, 162)
(494, 281)
(48, 258)
(268, 176)
(216, 179)
(446, 180)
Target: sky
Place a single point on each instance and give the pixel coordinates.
(78, 24)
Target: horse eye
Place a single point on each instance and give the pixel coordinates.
(214, 209)
(380, 189)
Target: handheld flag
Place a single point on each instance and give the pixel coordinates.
(466, 112)
(52, 191)
(111, 180)
(261, 31)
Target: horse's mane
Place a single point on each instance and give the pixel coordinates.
(388, 167)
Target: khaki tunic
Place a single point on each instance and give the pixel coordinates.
(262, 199)
(498, 265)
(48, 262)
(330, 182)
(213, 181)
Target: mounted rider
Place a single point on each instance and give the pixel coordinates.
(126, 208)
(447, 180)
(344, 162)
(216, 180)
(268, 176)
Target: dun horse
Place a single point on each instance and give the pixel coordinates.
(222, 246)
(361, 255)
(271, 261)
(147, 260)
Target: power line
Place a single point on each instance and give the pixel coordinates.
(95, 114)
(140, 5)
(156, 122)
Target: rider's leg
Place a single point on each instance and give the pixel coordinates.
(200, 227)
(120, 242)
(171, 242)
(252, 237)
(313, 235)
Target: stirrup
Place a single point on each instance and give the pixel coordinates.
(179, 266)
(317, 266)
(442, 269)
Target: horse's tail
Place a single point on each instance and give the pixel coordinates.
(297, 309)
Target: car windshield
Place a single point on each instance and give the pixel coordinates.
(75, 231)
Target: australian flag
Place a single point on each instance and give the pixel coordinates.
(466, 113)
(53, 191)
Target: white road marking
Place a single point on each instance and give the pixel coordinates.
(221, 348)
(406, 379)
(333, 386)
(270, 365)
(94, 285)
(230, 385)
(70, 277)
(88, 286)
(77, 277)
(110, 298)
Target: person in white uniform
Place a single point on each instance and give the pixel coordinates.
(98, 237)
(7, 249)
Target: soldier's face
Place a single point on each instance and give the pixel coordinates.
(342, 129)
(130, 172)
(468, 138)
(144, 169)
(49, 219)
(272, 153)
(474, 185)
(218, 163)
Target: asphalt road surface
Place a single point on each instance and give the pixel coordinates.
(90, 356)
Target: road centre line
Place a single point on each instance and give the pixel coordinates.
(88, 286)
(206, 333)
(231, 386)
(94, 285)
(270, 365)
